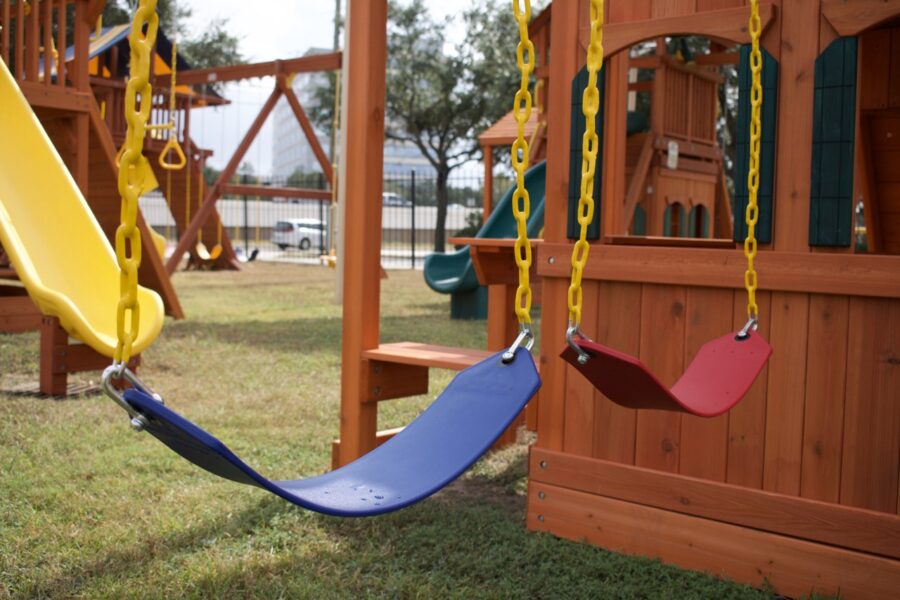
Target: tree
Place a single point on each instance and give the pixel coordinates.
(211, 48)
(439, 100)
(440, 97)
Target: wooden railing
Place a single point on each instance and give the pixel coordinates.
(110, 94)
(689, 98)
(35, 34)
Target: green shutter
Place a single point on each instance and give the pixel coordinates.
(639, 223)
(576, 135)
(834, 128)
(767, 146)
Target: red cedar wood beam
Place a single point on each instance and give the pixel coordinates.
(305, 64)
(190, 235)
(307, 128)
(276, 192)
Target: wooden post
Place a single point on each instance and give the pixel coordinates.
(366, 64)
(488, 190)
(54, 340)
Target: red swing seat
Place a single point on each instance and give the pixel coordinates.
(718, 378)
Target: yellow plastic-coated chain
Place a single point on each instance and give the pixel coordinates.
(521, 200)
(752, 214)
(590, 104)
(172, 144)
(138, 100)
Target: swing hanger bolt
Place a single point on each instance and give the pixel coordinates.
(573, 330)
(526, 336)
(751, 325)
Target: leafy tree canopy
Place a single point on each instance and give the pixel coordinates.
(212, 47)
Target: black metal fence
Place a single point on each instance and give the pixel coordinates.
(301, 231)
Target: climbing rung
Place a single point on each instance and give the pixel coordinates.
(427, 355)
(380, 438)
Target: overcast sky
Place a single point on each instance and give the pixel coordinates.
(269, 29)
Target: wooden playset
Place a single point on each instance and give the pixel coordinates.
(793, 478)
(798, 484)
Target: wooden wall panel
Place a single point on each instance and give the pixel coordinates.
(704, 442)
(872, 413)
(718, 4)
(874, 80)
(672, 8)
(662, 350)
(621, 11)
(620, 328)
(894, 89)
(747, 420)
(789, 317)
(579, 413)
(823, 420)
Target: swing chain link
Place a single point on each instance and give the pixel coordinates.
(590, 105)
(128, 237)
(751, 216)
(521, 200)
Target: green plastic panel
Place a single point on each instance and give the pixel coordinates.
(575, 139)
(834, 129)
(767, 147)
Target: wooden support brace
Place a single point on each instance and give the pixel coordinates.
(307, 128)
(386, 380)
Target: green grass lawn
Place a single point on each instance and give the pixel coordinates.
(89, 508)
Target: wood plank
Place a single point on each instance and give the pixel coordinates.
(871, 446)
(662, 350)
(894, 89)
(747, 420)
(578, 437)
(330, 61)
(843, 526)
(619, 327)
(800, 48)
(728, 25)
(850, 17)
(307, 128)
(668, 242)
(426, 355)
(823, 420)
(366, 48)
(704, 442)
(638, 184)
(380, 438)
(565, 63)
(789, 316)
(861, 275)
(874, 74)
(790, 567)
(56, 98)
(390, 380)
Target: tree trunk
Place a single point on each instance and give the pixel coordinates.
(442, 195)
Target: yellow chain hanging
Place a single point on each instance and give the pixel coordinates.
(521, 201)
(752, 214)
(128, 237)
(590, 104)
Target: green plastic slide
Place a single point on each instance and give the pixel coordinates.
(453, 273)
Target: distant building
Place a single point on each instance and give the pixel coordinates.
(291, 151)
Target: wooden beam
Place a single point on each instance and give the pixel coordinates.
(865, 169)
(426, 355)
(854, 275)
(189, 237)
(307, 128)
(361, 260)
(686, 148)
(852, 17)
(330, 61)
(787, 565)
(718, 58)
(638, 181)
(845, 526)
(275, 192)
(728, 25)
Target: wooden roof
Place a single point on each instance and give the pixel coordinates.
(504, 130)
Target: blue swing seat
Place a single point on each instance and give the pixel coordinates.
(433, 450)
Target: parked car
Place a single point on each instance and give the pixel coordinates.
(298, 233)
(392, 199)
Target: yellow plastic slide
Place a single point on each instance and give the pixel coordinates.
(52, 238)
